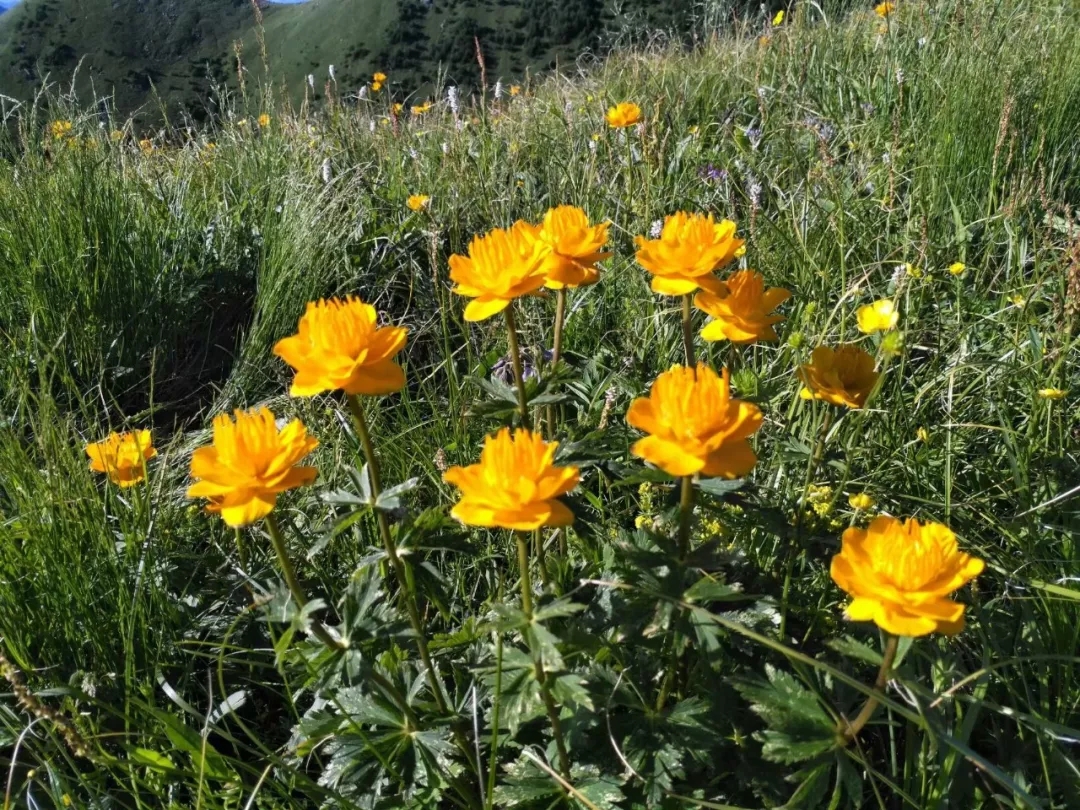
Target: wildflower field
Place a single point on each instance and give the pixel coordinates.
(697, 430)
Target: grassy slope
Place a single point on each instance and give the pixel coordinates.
(140, 289)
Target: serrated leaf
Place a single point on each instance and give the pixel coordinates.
(720, 486)
(603, 793)
(707, 589)
(390, 499)
(852, 648)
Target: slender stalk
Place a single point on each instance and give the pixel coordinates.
(851, 730)
(560, 318)
(688, 331)
(519, 374)
(538, 550)
(541, 676)
(360, 421)
(318, 629)
(686, 511)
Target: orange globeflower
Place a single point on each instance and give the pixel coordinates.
(573, 247)
(900, 575)
(690, 248)
(249, 463)
(743, 314)
(122, 456)
(379, 77)
(516, 485)
(884, 9)
(694, 425)
(501, 266)
(339, 346)
(841, 376)
(418, 202)
(625, 114)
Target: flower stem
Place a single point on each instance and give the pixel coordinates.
(688, 331)
(360, 421)
(318, 629)
(686, 511)
(538, 550)
(850, 730)
(556, 348)
(515, 358)
(538, 665)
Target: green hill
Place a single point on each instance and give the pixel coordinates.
(135, 50)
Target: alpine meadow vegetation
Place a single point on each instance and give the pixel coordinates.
(698, 429)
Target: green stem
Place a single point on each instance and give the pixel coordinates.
(688, 331)
(538, 665)
(686, 511)
(515, 359)
(360, 421)
(318, 629)
(560, 317)
(538, 550)
(851, 730)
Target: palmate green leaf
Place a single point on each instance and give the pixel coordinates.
(811, 790)
(799, 728)
(390, 499)
(852, 648)
(719, 486)
(603, 791)
(570, 689)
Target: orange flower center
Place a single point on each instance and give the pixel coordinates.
(906, 557)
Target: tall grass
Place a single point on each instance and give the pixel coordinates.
(146, 285)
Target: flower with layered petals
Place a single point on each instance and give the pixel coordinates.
(501, 266)
(249, 464)
(624, 114)
(957, 268)
(418, 202)
(861, 501)
(264, 120)
(884, 9)
(338, 345)
(516, 485)
(572, 247)
(694, 425)
(1052, 393)
(841, 376)
(122, 456)
(900, 574)
(880, 316)
(379, 77)
(742, 312)
(690, 249)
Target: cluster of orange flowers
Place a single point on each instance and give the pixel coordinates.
(898, 573)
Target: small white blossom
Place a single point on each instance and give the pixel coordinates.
(333, 77)
(327, 171)
(311, 80)
(656, 229)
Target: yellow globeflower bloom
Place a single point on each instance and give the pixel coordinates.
(122, 456)
(264, 120)
(861, 501)
(516, 485)
(379, 77)
(778, 19)
(249, 463)
(957, 268)
(515, 90)
(694, 425)
(501, 266)
(624, 114)
(418, 202)
(60, 129)
(338, 346)
(690, 248)
(743, 313)
(884, 9)
(376, 86)
(1052, 393)
(841, 376)
(900, 575)
(572, 246)
(880, 316)
(397, 107)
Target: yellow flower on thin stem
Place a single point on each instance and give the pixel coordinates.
(778, 19)
(957, 268)
(418, 202)
(339, 346)
(515, 90)
(122, 456)
(624, 114)
(379, 76)
(883, 10)
(572, 247)
(501, 266)
(516, 485)
(880, 316)
(264, 120)
(249, 464)
(376, 86)
(841, 376)
(900, 574)
(1052, 393)
(743, 312)
(861, 501)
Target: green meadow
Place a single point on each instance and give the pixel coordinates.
(682, 644)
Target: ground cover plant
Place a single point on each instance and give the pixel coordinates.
(695, 431)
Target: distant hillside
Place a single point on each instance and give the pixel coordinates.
(180, 49)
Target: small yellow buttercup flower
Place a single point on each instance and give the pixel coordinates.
(841, 376)
(264, 120)
(913, 271)
(1052, 393)
(624, 114)
(339, 346)
(516, 485)
(146, 146)
(884, 9)
(501, 266)
(778, 19)
(900, 574)
(572, 247)
(515, 90)
(694, 425)
(742, 312)
(690, 249)
(880, 316)
(122, 456)
(957, 268)
(376, 86)
(861, 501)
(923, 435)
(420, 109)
(249, 464)
(418, 202)
(1017, 300)
(61, 129)
(397, 107)
(379, 76)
